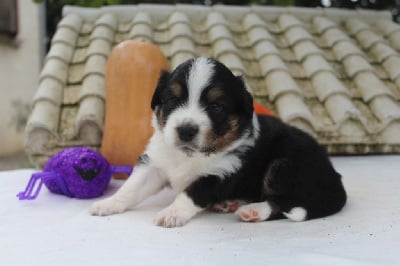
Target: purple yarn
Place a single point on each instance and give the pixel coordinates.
(78, 172)
(84, 171)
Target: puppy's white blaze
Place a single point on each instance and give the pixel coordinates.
(191, 113)
(296, 214)
(199, 77)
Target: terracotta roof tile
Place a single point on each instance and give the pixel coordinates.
(333, 73)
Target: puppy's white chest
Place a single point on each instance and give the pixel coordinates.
(181, 170)
(181, 173)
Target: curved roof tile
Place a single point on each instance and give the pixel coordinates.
(305, 49)
(371, 86)
(314, 64)
(96, 64)
(368, 39)
(108, 20)
(347, 111)
(233, 62)
(93, 85)
(65, 35)
(41, 130)
(392, 66)
(102, 32)
(179, 30)
(49, 90)
(387, 27)
(279, 83)
(322, 24)
(215, 19)
(354, 26)
(382, 52)
(333, 35)
(258, 34)
(386, 110)
(272, 63)
(291, 107)
(178, 17)
(326, 84)
(56, 69)
(265, 48)
(251, 21)
(345, 48)
(354, 64)
(89, 120)
(218, 32)
(295, 35)
(182, 44)
(72, 21)
(225, 46)
(99, 47)
(61, 51)
(287, 21)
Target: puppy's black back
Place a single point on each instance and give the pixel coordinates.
(289, 169)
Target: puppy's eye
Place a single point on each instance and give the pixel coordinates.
(215, 107)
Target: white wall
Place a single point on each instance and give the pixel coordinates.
(20, 63)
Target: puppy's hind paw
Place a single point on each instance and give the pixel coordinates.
(254, 212)
(107, 207)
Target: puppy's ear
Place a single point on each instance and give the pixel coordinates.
(162, 83)
(246, 96)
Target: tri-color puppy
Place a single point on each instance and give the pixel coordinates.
(212, 148)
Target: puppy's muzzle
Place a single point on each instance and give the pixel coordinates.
(187, 132)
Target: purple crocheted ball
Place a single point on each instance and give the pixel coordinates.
(83, 172)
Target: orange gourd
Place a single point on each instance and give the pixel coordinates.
(132, 73)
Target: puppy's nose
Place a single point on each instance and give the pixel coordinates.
(187, 132)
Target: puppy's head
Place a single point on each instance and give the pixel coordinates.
(201, 106)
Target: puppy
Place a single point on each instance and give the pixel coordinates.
(212, 148)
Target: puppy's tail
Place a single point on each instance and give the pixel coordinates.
(296, 214)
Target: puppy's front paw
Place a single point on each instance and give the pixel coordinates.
(172, 217)
(107, 207)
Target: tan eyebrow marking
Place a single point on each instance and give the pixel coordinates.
(176, 89)
(213, 94)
